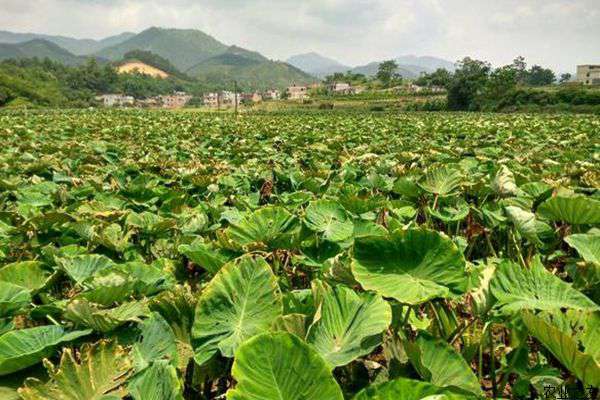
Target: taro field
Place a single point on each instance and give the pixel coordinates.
(153, 255)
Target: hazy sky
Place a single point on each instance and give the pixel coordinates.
(555, 33)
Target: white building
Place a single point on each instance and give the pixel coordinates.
(272, 94)
(224, 98)
(297, 92)
(341, 88)
(115, 100)
(588, 74)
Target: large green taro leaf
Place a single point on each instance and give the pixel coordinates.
(576, 210)
(28, 274)
(565, 349)
(206, 255)
(438, 362)
(587, 245)
(527, 225)
(269, 227)
(242, 300)
(12, 299)
(157, 342)
(157, 382)
(347, 325)
(82, 267)
(517, 288)
(98, 372)
(411, 266)
(408, 389)
(26, 347)
(90, 315)
(442, 180)
(329, 218)
(280, 366)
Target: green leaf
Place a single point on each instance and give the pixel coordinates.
(438, 362)
(206, 256)
(347, 325)
(149, 223)
(26, 347)
(517, 288)
(565, 349)
(411, 266)
(587, 245)
(12, 299)
(451, 212)
(98, 372)
(442, 180)
(82, 267)
(242, 300)
(28, 274)
(280, 366)
(329, 218)
(407, 389)
(527, 224)
(158, 382)
(89, 315)
(157, 342)
(576, 210)
(268, 227)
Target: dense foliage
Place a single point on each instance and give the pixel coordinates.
(47, 83)
(161, 255)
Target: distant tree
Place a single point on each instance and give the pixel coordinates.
(565, 77)
(539, 76)
(335, 77)
(387, 73)
(467, 84)
(520, 67)
(441, 77)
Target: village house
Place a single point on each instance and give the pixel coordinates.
(175, 100)
(222, 98)
(251, 97)
(297, 92)
(588, 74)
(211, 100)
(272, 94)
(340, 88)
(115, 100)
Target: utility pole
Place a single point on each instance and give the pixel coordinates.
(235, 94)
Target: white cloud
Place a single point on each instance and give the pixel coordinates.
(551, 32)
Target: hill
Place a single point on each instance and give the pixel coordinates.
(409, 66)
(250, 69)
(20, 85)
(78, 47)
(316, 64)
(41, 49)
(182, 47)
(153, 60)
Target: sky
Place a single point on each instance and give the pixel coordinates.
(554, 33)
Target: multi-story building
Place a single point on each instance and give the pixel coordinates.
(297, 92)
(340, 88)
(223, 98)
(588, 74)
(115, 100)
(175, 100)
(272, 94)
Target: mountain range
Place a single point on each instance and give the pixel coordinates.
(79, 47)
(192, 52)
(200, 56)
(409, 66)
